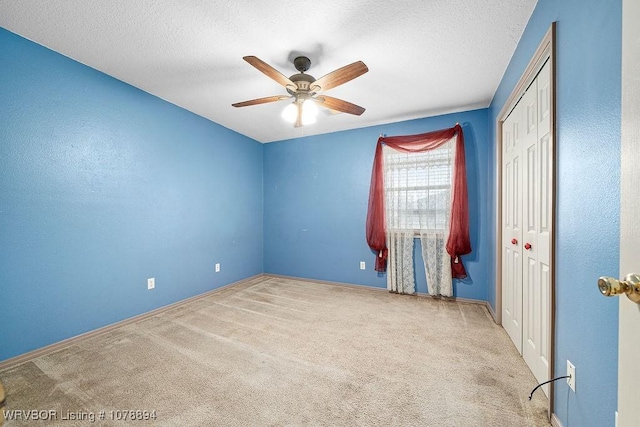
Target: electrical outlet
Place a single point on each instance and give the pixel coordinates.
(362, 265)
(151, 283)
(571, 371)
(218, 268)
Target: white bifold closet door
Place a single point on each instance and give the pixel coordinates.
(527, 194)
(512, 226)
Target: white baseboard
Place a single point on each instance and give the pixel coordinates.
(25, 357)
(491, 312)
(555, 422)
(417, 294)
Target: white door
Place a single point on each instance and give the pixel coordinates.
(537, 196)
(629, 339)
(511, 227)
(527, 198)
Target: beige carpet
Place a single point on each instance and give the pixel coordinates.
(282, 352)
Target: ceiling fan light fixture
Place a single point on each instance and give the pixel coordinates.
(308, 115)
(290, 113)
(309, 112)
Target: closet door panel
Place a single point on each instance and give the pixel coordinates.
(537, 210)
(512, 228)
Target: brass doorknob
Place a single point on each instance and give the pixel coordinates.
(611, 287)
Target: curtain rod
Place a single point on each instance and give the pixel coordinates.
(382, 135)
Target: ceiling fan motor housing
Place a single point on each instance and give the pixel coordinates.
(302, 63)
(302, 81)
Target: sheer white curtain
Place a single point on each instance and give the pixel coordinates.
(400, 262)
(437, 263)
(418, 204)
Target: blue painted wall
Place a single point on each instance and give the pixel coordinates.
(102, 186)
(587, 217)
(316, 191)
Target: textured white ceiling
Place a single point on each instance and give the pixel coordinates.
(424, 57)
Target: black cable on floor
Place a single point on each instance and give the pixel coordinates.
(546, 382)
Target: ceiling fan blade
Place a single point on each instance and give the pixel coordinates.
(339, 105)
(339, 76)
(269, 71)
(260, 101)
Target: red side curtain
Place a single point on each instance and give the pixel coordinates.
(458, 243)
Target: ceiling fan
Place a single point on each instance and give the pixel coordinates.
(304, 90)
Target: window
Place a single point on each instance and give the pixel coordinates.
(418, 189)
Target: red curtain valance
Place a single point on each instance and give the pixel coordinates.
(458, 243)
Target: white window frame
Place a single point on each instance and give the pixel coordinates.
(425, 182)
